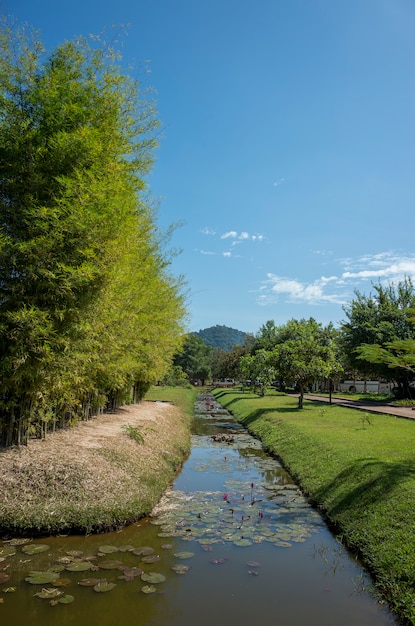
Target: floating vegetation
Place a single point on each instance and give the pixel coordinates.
(104, 586)
(4, 578)
(7, 551)
(49, 593)
(148, 589)
(42, 578)
(108, 549)
(91, 582)
(35, 548)
(67, 599)
(110, 564)
(153, 577)
(180, 568)
(143, 551)
(79, 566)
(184, 555)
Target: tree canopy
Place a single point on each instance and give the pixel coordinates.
(89, 313)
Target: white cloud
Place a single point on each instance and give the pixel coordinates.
(227, 254)
(208, 231)
(279, 182)
(386, 267)
(207, 252)
(296, 291)
(231, 233)
(244, 235)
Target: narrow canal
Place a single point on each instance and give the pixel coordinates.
(233, 541)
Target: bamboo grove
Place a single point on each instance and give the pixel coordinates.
(90, 314)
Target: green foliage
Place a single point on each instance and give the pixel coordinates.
(89, 314)
(134, 433)
(194, 358)
(378, 338)
(223, 337)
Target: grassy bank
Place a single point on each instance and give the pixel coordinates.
(98, 476)
(358, 468)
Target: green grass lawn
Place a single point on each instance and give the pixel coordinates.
(358, 468)
(183, 397)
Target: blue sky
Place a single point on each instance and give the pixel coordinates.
(288, 145)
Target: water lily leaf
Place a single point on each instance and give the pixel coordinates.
(253, 564)
(18, 541)
(91, 582)
(153, 558)
(130, 573)
(242, 543)
(42, 578)
(184, 555)
(35, 548)
(143, 551)
(110, 564)
(282, 544)
(7, 550)
(167, 546)
(75, 553)
(67, 599)
(108, 549)
(49, 593)
(78, 566)
(62, 582)
(153, 577)
(104, 587)
(4, 577)
(206, 547)
(148, 589)
(65, 560)
(180, 568)
(126, 548)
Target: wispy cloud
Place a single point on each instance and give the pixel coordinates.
(359, 273)
(278, 182)
(231, 234)
(208, 231)
(227, 254)
(293, 290)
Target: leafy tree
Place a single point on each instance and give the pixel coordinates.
(380, 319)
(259, 368)
(195, 358)
(89, 314)
(227, 363)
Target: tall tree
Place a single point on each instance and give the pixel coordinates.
(195, 358)
(83, 280)
(379, 319)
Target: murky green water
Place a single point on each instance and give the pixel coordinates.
(234, 541)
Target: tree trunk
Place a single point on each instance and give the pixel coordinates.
(301, 397)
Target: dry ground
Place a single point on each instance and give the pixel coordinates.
(93, 476)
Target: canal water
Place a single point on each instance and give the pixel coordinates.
(233, 541)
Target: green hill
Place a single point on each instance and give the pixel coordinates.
(222, 337)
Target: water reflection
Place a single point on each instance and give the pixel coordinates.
(236, 542)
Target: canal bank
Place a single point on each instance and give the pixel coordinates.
(358, 469)
(232, 539)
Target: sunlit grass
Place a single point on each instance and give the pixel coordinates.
(359, 468)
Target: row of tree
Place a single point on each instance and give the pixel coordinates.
(90, 314)
(377, 340)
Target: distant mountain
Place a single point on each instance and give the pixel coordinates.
(223, 337)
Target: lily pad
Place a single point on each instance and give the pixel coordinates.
(108, 549)
(62, 582)
(67, 599)
(143, 551)
(153, 558)
(7, 550)
(35, 548)
(242, 543)
(148, 589)
(129, 573)
(91, 582)
(49, 593)
(184, 555)
(42, 578)
(153, 577)
(104, 587)
(126, 548)
(78, 566)
(75, 553)
(179, 568)
(18, 541)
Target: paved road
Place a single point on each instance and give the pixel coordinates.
(398, 411)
